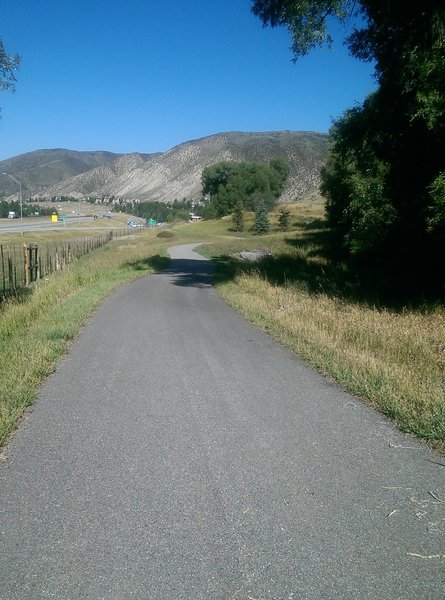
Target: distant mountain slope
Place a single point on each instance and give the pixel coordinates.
(175, 174)
(106, 180)
(43, 168)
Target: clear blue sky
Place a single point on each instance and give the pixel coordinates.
(146, 75)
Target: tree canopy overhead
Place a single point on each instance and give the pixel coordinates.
(385, 178)
(383, 24)
(306, 20)
(405, 40)
(8, 65)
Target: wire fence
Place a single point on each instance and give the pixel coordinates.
(22, 264)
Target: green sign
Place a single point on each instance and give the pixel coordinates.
(152, 221)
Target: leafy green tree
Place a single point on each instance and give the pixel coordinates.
(279, 175)
(436, 216)
(216, 175)
(354, 181)
(238, 216)
(384, 177)
(209, 212)
(227, 182)
(255, 199)
(261, 224)
(306, 20)
(4, 209)
(284, 219)
(162, 212)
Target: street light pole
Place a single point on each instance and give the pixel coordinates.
(20, 192)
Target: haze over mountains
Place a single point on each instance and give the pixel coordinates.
(166, 176)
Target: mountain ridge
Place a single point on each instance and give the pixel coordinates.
(163, 176)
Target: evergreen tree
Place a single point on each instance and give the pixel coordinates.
(262, 223)
(238, 217)
(284, 219)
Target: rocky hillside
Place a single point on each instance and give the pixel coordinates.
(43, 168)
(167, 176)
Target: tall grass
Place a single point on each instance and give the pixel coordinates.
(386, 349)
(395, 360)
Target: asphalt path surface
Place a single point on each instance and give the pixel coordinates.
(179, 453)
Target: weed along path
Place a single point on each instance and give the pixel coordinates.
(178, 452)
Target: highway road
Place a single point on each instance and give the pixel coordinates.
(179, 453)
(31, 225)
(38, 224)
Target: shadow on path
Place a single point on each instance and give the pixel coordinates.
(194, 272)
(190, 272)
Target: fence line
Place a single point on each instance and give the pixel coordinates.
(21, 265)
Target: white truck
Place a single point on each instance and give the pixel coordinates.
(12, 214)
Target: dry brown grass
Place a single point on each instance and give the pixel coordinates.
(393, 357)
(395, 360)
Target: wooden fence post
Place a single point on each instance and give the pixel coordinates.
(10, 273)
(16, 274)
(33, 265)
(36, 263)
(26, 264)
(3, 271)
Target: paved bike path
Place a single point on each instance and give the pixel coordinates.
(178, 452)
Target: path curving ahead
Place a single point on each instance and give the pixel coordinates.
(179, 453)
